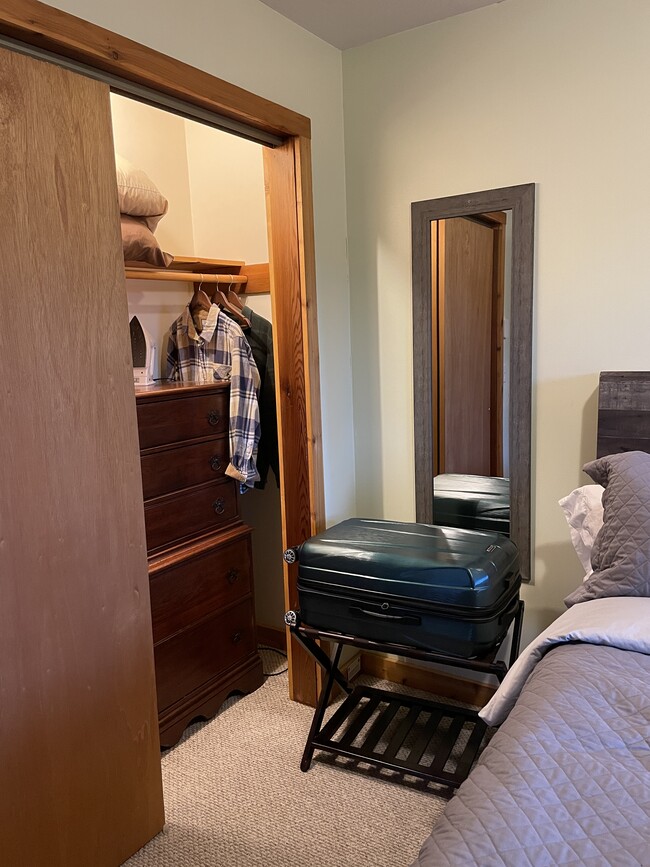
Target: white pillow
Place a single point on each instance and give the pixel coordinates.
(583, 510)
(137, 193)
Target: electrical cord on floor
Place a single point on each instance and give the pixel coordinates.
(280, 653)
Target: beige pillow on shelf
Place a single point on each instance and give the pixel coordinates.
(140, 245)
(138, 195)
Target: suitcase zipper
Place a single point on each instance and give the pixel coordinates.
(454, 612)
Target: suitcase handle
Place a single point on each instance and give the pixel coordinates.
(394, 618)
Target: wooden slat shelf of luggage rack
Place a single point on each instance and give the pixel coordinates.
(450, 734)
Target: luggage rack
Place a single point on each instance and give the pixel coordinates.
(431, 740)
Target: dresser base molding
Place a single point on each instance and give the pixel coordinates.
(203, 703)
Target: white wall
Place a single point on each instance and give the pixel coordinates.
(250, 45)
(226, 178)
(552, 92)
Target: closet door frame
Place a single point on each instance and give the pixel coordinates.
(291, 254)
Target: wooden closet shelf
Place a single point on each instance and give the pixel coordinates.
(185, 277)
(247, 279)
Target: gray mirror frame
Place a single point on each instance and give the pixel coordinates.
(520, 200)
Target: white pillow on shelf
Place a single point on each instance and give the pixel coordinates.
(138, 195)
(583, 510)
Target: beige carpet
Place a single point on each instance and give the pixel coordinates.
(235, 795)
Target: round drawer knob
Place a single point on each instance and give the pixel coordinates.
(236, 638)
(219, 506)
(232, 576)
(215, 463)
(214, 418)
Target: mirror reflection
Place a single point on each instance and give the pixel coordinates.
(473, 258)
(470, 343)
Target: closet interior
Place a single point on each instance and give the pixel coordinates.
(214, 539)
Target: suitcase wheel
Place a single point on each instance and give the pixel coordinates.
(290, 555)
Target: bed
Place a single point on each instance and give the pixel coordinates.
(566, 778)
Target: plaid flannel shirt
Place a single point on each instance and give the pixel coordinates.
(220, 351)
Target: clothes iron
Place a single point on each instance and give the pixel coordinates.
(143, 350)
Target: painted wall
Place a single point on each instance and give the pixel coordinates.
(226, 182)
(250, 45)
(552, 93)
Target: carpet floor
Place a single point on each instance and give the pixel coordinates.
(235, 795)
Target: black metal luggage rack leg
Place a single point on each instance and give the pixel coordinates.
(441, 741)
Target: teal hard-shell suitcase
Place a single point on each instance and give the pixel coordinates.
(437, 588)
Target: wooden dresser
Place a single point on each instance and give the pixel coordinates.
(200, 562)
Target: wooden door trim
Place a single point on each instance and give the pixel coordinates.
(288, 179)
(296, 371)
(66, 35)
(520, 200)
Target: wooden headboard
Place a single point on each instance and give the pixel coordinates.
(623, 412)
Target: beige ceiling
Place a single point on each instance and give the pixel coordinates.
(348, 23)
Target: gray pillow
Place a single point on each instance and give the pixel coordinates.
(621, 554)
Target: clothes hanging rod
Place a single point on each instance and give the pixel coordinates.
(185, 276)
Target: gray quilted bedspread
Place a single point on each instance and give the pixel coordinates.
(566, 779)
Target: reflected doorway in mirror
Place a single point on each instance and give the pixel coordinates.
(470, 316)
(472, 354)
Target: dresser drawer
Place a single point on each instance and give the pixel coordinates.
(199, 585)
(191, 658)
(180, 418)
(171, 469)
(190, 513)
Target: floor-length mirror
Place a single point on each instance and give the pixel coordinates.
(472, 326)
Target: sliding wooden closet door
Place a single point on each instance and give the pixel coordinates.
(79, 758)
